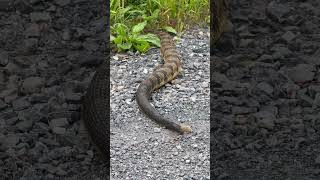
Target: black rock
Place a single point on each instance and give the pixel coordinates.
(40, 17)
(4, 58)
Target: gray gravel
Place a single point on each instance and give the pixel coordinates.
(140, 148)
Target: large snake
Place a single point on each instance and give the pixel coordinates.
(162, 75)
(96, 101)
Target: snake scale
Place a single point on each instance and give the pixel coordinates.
(162, 75)
(95, 112)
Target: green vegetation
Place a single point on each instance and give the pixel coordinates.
(131, 20)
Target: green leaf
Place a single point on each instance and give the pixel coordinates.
(151, 38)
(142, 47)
(118, 40)
(139, 27)
(122, 11)
(121, 29)
(170, 29)
(124, 46)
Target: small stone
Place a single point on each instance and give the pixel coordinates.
(74, 98)
(205, 84)
(66, 35)
(317, 160)
(3, 105)
(31, 44)
(157, 130)
(316, 101)
(267, 88)
(40, 17)
(32, 84)
(62, 2)
(288, 36)
(242, 110)
(245, 42)
(267, 123)
(301, 73)
(193, 98)
(34, 1)
(12, 68)
(277, 11)
(24, 125)
(265, 58)
(60, 122)
(4, 58)
(11, 140)
(59, 130)
(32, 31)
(20, 104)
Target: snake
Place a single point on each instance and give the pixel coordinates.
(159, 77)
(96, 101)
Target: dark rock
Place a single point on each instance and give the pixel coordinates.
(5, 5)
(59, 130)
(32, 84)
(314, 59)
(20, 104)
(60, 122)
(301, 73)
(66, 35)
(243, 110)
(24, 125)
(267, 88)
(90, 45)
(246, 42)
(317, 160)
(81, 33)
(34, 1)
(90, 60)
(4, 58)
(32, 31)
(3, 105)
(277, 11)
(62, 2)
(30, 44)
(288, 37)
(40, 17)
(11, 140)
(12, 68)
(265, 58)
(265, 119)
(74, 98)
(39, 98)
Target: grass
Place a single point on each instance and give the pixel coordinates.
(131, 19)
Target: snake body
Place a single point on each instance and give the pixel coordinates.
(95, 112)
(162, 75)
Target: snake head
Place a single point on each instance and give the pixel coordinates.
(185, 129)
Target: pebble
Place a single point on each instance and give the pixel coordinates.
(301, 73)
(32, 84)
(4, 58)
(40, 17)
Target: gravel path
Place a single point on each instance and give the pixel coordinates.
(265, 93)
(140, 148)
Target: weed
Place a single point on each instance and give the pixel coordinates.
(130, 18)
